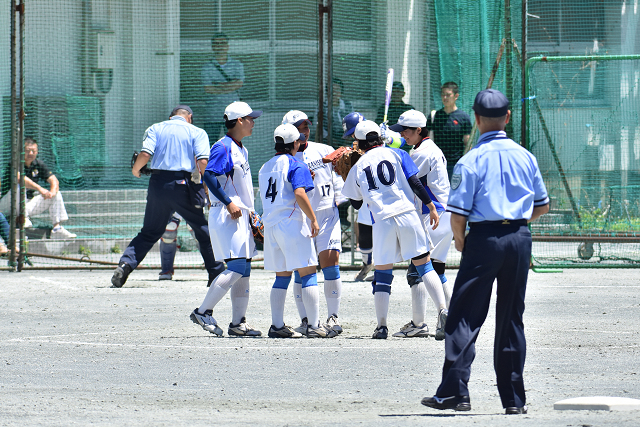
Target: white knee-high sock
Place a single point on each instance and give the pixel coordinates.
(434, 287)
(277, 298)
(219, 289)
(239, 299)
(333, 294)
(418, 303)
(311, 300)
(297, 294)
(381, 301)
(447, 288)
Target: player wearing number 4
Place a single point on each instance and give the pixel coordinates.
(432, 167)
(385, 178)
(228, 177)
(324, 199)
(288, 245)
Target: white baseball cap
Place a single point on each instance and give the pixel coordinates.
(409, 119)
(239, 109)
(296, 118)
(288, 132)
(364, 128)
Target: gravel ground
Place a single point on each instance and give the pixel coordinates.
(76, 352)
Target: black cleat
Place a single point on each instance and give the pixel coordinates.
(380, 333)
(515, 410)
(457, 403)
(120, 275)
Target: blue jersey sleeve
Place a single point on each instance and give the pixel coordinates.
(220, 161)
(299, 175)
(149, 141)
(408, 166)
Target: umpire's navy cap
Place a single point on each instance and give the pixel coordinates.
(491, 103)
(181, 107)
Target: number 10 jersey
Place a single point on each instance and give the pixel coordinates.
(380, 179)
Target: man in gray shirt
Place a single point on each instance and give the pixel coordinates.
(222, 78)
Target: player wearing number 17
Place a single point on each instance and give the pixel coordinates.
(385, 178)
(288, 245)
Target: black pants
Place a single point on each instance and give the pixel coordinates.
(491, 251)
(165, 196)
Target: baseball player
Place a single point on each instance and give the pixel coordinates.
(365, 239)
(288, 245)
(324, 200)
(228, 177)
(385, 178)
(432, 167)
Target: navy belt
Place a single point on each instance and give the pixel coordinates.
(180, 174)
(513, 222)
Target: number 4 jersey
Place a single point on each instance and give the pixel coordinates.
(278, 178)
(379, 178)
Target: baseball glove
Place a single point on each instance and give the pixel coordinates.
(257, 227)
(343, 160)
(145, 170)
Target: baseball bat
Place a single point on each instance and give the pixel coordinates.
(387, 93)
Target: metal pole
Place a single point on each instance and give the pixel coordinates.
(320, 118)
(14, 137)
(330, 72)
(525, 22)
(23, 249)
(508, 65)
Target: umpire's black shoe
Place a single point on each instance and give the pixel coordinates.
(457, 403)
(515, 410)
(120, 275)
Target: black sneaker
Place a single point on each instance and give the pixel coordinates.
(380, 333)
(457, 403)
(283, 332)
(120, 275)
(515, 410)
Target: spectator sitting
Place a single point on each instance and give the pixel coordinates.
(47, 200)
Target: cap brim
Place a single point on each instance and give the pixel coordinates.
(299, 122)
(397, 127)
(255, 114)
(302, 137)
(348, 133)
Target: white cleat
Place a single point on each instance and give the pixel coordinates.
(411, 330)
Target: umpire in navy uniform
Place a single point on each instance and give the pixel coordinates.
(498, 189)
(175, 144)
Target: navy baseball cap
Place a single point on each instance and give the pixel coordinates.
(181, 107)
(491, 103)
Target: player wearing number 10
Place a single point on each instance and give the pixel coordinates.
(384, 178)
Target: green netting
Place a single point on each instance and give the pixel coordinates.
(584, 130)
(99, 72)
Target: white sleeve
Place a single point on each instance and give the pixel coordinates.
(351, 189)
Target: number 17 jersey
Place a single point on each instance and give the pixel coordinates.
(380, 179)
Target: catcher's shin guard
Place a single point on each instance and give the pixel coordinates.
(169, 245)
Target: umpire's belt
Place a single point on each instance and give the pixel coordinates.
(177, 174)
(502, 222)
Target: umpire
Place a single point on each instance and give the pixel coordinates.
(497, 188)
(175, 144)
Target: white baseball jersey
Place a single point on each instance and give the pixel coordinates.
(379, 178)
(432, 172)
(278, 179)
(229, 159)
(327, 184)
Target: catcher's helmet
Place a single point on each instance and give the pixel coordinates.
(350, 122)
